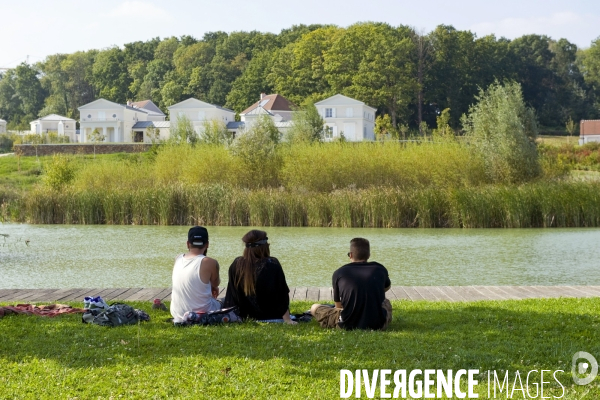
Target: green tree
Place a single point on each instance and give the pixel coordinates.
(59, 172)
(257, 148)
(253, 81)
(96, 136)
(384, 127)
(443, 130)
(570, 126)
(298, 69)
(110, 75)
(502, 130)
(183, 132)
(307, 125)
(215, 132)
(372, 62)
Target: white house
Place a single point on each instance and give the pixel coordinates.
(55, 123)
(116, 121)
(198, 112)
(277, 107)
(344, 114)
(2, 126)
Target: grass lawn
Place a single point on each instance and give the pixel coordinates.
(558, 140)
(63, 358)
(29, 172)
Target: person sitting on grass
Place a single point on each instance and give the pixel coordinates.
(195, 278)
(257, 283)
(358, 292)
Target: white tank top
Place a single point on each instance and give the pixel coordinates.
(189, 293)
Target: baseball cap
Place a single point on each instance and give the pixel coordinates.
(198, 236)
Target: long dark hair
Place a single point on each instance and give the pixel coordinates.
(256, 248)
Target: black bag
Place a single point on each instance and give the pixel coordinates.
(116, 315)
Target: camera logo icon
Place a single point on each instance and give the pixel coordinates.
(584, 372)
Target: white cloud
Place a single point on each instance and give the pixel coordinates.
(139, 11)
(557, 25)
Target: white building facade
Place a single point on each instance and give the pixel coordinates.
(63, 126)
(198, 113)
(2, 126)
(344, 115)
(114, 121)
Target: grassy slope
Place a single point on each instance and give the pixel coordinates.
(62, 358)
(30, 171)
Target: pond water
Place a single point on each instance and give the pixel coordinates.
(81, 256)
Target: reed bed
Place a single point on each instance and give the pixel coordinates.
(541, 204)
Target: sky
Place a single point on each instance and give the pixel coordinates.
(38, 28)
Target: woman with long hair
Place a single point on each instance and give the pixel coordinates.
(257, 283)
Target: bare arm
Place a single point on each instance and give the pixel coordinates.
(209, 273)
(338, 304)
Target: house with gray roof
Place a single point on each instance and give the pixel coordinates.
(115, 122)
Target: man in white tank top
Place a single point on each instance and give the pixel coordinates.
(195, 278)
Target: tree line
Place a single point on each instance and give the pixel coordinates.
(409, 75)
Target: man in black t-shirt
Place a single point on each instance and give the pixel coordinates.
(358, 292)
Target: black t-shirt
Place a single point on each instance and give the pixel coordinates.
(360, 287)
(271, 298)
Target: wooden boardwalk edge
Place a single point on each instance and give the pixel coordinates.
(321, 294)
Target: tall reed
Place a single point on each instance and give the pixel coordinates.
(541, 204)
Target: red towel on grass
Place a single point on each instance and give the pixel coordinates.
(50, 310)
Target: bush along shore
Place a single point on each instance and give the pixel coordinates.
(490, 175)
(541, 204)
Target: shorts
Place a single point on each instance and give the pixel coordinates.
(328, 317)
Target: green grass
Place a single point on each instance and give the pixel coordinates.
(558, 140)
(63, 358)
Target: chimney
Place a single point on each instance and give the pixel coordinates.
(262, 95)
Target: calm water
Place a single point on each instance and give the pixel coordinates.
(70, 256)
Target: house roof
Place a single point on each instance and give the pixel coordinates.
(195, 103)
(53, 117)
(148, 105)
(340, 99)
(112, 103)
(151, 124)
(1, 120)
(271, 102)
(258, 111)
(236, 125)
(589, 127)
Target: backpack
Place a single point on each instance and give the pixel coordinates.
(116, 314)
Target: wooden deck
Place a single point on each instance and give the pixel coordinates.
(413, 293)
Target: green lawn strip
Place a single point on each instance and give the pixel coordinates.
(63, 358)
(30, 171)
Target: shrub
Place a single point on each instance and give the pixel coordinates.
(59, 171)
(502, 131)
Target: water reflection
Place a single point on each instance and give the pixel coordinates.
(68, 256)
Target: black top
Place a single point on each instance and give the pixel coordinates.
(271, 299)
(360, 287)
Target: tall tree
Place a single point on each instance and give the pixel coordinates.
(110, 76)
(372, 62)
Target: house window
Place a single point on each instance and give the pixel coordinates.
(328, 112)
(349, 112)
(328, 132)
(114, 115)
(364, 132)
